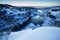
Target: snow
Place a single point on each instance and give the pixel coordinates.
(44, 29)
(42, 33)
(48, 22)
(41, 16)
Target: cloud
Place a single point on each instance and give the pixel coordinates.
(31, 3)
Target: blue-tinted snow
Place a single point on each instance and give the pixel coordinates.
(47, 30)
(40, 16)
(41, 33)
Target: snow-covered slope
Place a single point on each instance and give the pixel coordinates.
(41, 33)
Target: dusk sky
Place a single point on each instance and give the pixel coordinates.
(31, 2)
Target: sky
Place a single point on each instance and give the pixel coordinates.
(31, 2)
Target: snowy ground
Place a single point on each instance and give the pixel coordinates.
(42, 33)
